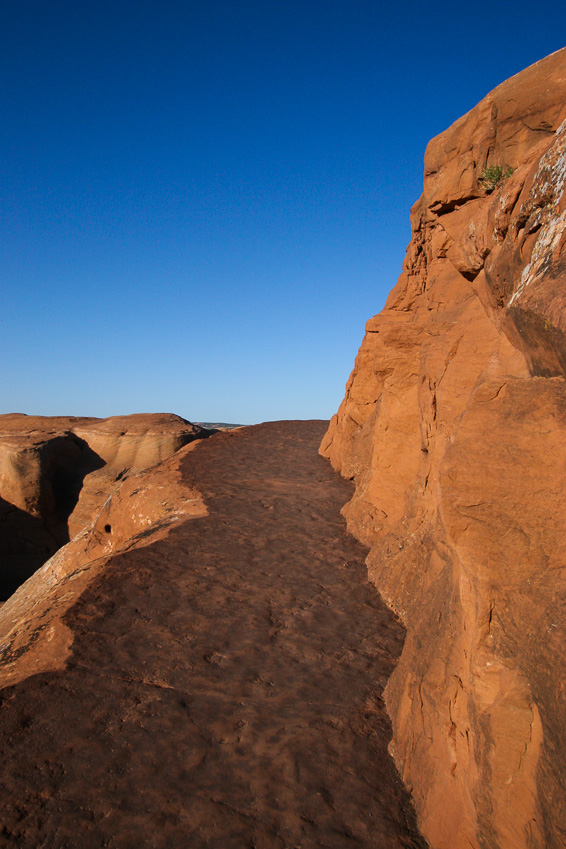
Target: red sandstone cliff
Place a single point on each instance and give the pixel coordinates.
(453, 428)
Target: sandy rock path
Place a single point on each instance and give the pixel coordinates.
(224, 684)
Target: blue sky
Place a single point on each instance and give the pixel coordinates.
(203, 202)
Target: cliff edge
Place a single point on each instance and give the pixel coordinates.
(453, 428)
(56, 473)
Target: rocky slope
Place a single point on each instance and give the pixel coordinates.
(204, 667)
(453, 428)
(57, 472)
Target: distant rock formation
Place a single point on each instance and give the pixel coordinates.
(453, 428)
(57, 472)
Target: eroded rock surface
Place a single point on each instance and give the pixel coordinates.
(453, 428)
(213, 681)
(57, 472)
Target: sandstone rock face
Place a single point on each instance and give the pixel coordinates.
(56, 473)
(453, 428)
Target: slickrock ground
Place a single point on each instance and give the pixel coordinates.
(218, 682)
(56, 472)
(454, 430)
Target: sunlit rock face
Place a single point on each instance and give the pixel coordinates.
(453, 428)
(57, 472)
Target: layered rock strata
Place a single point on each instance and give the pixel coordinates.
(453, 428)
(57, 472)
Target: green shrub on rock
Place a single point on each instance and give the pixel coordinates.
(493, 176)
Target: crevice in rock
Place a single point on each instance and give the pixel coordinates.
(28, 538)
(56, 474)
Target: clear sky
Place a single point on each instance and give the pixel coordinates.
(203, 202)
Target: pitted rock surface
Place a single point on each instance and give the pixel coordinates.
(223, 683)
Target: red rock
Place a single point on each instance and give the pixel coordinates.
(453, 428)
(57, 472)
(193, 671)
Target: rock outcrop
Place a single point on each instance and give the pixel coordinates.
(56, 473)
(193, 670)
(136, 511)
(453, 428)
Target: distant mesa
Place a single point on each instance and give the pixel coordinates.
(218, 425)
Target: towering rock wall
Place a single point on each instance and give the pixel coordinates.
(454, 429)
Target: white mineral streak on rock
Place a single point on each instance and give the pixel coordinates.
(545, 196)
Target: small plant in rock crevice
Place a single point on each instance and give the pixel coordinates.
(493, 176)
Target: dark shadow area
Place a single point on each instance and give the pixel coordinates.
(65, 473)
(25, 545)
(543, 345)
(26, 540)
